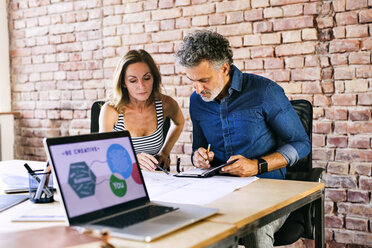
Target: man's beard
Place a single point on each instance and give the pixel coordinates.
(213, 93)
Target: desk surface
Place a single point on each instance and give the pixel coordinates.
(259, 199)
(237, 209)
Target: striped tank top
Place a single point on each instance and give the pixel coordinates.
(152, 143)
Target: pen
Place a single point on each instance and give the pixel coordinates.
(166, 172)
(37, 179)
(209, 147)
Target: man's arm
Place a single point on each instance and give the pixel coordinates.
(285, 123)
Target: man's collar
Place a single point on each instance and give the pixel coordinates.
(237, 79)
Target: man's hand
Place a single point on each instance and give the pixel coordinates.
(243, 167)
(202, 158)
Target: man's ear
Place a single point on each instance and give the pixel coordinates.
(225, 68)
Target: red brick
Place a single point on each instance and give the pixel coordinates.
(293, 23)
(311, 88)
(216, 19)
(253, 15)
(306, 74)
(336, 114)
(335, 195)
(338, 168)
(353, 155)
(356, 4)
(364, 71)
(253, 64)
(337, 141)
(359, 142)
(340, 181)
(294, 62)
(292, 10)
(323, 154)
(357, 31)
(274, 63)
(357, 196)
(321, 100)
(360, 58)
(365, 16)
(361, 168)
(344, 72)
(339, 59)
(262, 27)
(318, 140)
(333, 221)
(358, 224)
(285, 2)
(276, 75)
(324, 22)
(360, 115)
(365, 99)
(295, 49)
(347, 18)
(365, 183)
(366, 44)
(338, 46)
(262, 51)
(322, 127)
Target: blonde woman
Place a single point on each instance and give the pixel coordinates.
(139, 106)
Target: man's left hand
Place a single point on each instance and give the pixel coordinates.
(243, 167)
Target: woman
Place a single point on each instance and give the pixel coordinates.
(138, 106)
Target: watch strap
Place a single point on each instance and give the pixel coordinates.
(262, 166)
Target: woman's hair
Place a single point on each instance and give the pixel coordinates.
(204, 45)
(120, 95)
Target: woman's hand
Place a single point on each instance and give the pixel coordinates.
(164, 160)
(147, 161)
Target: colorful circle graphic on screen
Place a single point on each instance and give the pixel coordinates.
(135, 174)
(118, 186)
(119, 160)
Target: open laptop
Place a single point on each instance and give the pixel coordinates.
(102, 187)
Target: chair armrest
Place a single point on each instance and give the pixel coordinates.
(313, 176)
(316, 174)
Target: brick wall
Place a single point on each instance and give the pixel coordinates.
(63, 54)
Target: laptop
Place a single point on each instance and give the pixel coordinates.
(102, 187)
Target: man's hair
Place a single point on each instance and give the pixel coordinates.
(204, 45)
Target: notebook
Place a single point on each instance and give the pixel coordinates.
(102, 187)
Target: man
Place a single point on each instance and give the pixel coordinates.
(242, 116)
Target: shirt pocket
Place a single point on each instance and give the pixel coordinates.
(246, 123)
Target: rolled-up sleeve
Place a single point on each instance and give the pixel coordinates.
(284, 120)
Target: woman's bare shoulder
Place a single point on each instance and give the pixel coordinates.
(109, 109)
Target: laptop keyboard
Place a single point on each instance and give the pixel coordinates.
(136, 216)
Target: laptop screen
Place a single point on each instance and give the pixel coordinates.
(95, 174)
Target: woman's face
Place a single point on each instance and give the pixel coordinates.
(138, 81)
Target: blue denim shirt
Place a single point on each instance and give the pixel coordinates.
(248, 122)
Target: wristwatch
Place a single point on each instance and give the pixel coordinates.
(262, 166)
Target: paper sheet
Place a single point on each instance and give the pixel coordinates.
(199, 191)
(41, 213)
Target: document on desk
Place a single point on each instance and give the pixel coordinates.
(39, 212)
(14, 177)
(162, 187)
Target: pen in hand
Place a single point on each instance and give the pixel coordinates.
(166, 172)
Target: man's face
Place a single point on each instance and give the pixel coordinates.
(207, 80)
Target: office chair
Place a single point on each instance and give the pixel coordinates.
(300, 223)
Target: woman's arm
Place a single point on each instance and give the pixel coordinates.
(108, 117)
(173, 111)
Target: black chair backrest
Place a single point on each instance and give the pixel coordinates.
(94, 116)
(304, 110)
